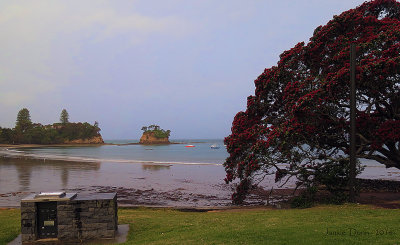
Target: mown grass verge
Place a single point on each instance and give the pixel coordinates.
(344, 224)
(10, 224)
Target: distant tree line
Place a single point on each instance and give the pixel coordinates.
(26, 132)
(157, 131)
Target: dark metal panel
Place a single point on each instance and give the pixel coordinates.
(47, 219)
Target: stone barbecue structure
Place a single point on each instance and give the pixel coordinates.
(68, 217)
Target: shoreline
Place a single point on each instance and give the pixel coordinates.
(149, 186)
(13, 146)
(370, 194)
(51, 145)
(22, 151)
(94, 160)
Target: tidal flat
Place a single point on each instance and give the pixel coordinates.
(159, 175)
(136, 184)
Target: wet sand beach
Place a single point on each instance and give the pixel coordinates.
(144, 184)
(136, 184)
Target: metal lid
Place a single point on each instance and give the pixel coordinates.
(50, 194)
(49, 197)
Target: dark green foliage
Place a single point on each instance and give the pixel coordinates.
(161, 133)
(73, 131)
(23, 120)
(42, 135)
(157, 131)
(27, 132)
(64, 117)
(6, 135)
(333, 177)
(306, 199)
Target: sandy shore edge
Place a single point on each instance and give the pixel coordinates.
(11, 146)
(52, 145)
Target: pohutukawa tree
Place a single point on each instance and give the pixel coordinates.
(299, 117)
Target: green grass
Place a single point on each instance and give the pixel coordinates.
(293, 226)
(260, 226)
(10, 225)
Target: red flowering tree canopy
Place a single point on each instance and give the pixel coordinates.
(299, 116)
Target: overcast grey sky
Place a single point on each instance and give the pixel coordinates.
(186, 65)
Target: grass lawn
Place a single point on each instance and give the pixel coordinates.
(10, 224)
(344, 224)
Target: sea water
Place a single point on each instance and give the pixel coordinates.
(168, 175)
(122, 151)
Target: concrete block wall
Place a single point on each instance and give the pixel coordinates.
(28, 221)
(87, 219)
(79, 219)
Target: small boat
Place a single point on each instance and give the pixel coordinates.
(189, 146)
(215, 146)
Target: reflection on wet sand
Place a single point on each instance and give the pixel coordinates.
(27, 168)
(136, 184)
(155, 167)
(24, 176)
(144, 184)
(64, 177)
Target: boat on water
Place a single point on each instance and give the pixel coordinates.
(189, 146)
(215, 146)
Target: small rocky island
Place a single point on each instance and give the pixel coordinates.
(153, 135)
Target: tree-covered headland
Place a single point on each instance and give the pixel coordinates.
(27, 132)
(298, 122)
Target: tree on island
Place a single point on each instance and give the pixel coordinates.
(96, 126)
(156, 131)
(299, 116)
(153, 134)
(64, 117)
